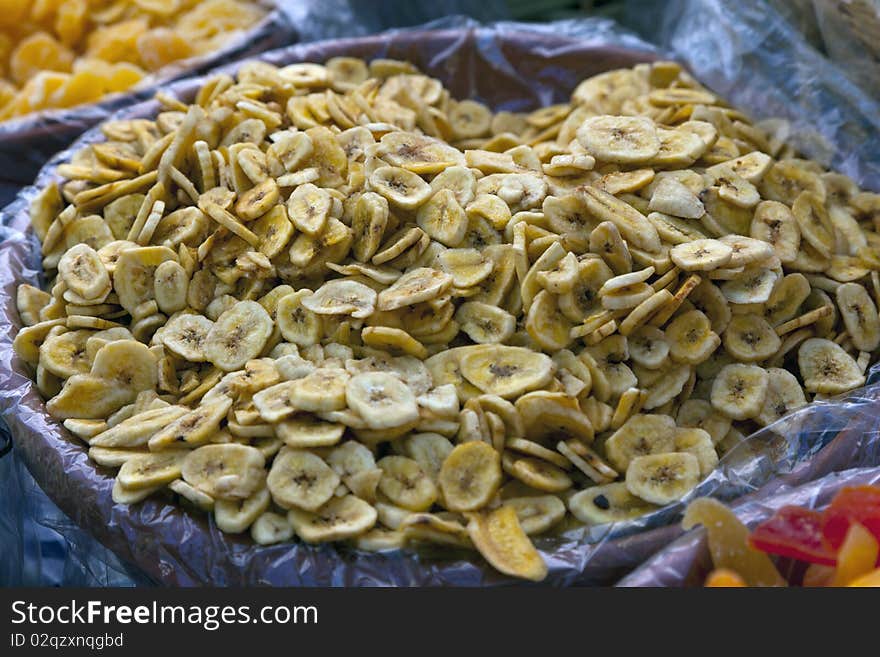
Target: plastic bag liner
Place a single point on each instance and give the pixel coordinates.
(755, 58)
(687, 562)
(507, 67)
(43, 546)
(29, 140)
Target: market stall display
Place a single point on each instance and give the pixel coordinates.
(151, 533)
(55, 85)
(62, 54)
(645, 221)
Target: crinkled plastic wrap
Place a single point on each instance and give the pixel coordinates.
(43, 546)
(686, 561)
(760, 61)
(29, 140)
(508, 67)
(850, 30)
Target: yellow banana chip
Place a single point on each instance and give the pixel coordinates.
(499, 537)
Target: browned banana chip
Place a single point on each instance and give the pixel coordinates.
(536, 473)
(499, 537)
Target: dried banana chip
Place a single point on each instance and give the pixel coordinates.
(401, 187)
(150, 470)
(827, 368)
(537, 514)
(301, 480)
(701, 255)
(422, 284)
(632, 224)
(663, 478)
(470, 476)
(500, 538)
(505, 371)
(699, 443)
(859, 316)
(342, 297)
(381, 399)
(598, 505)
(340, 518)
(227, 471)
(691, 338)
(304, 432)
(625, 140)
(536, 473)
(784, 395)
(639, 436)
(485, 324)
(749, 338)
(238, 335)
(739, 390)
(406, 484)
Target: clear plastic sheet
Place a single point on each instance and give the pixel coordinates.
(50, 549)
(28, 141)
(508, 66)
(344, 19)
(849, 31)
(686, 561)
(758, 60)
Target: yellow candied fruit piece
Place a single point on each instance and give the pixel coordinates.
(857, 556)
(39, 52)
(110, 12)
(114, 77)
(215, 16)
(70, 21)
(123, 76)
(82, 87)
(872, 579)
(6, 46)
(161, 46)
(17, 106)
(14, 12)
(162, 8)
(117, 42)
(7, 93)
(39, 89)
(724, 578)
(42, 11)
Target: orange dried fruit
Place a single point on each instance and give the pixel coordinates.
(872, 579)
(70, 21)
(7, 93)
(39, 52)
(123, 76)
(724, 578)
(14, 12)
(74, 35)
(40, 88)
(161, 46)
(42, 11)
(82, 87)
(857, 555)
(117, 42)
(163, 8)
(214, 16)
(728, 543)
